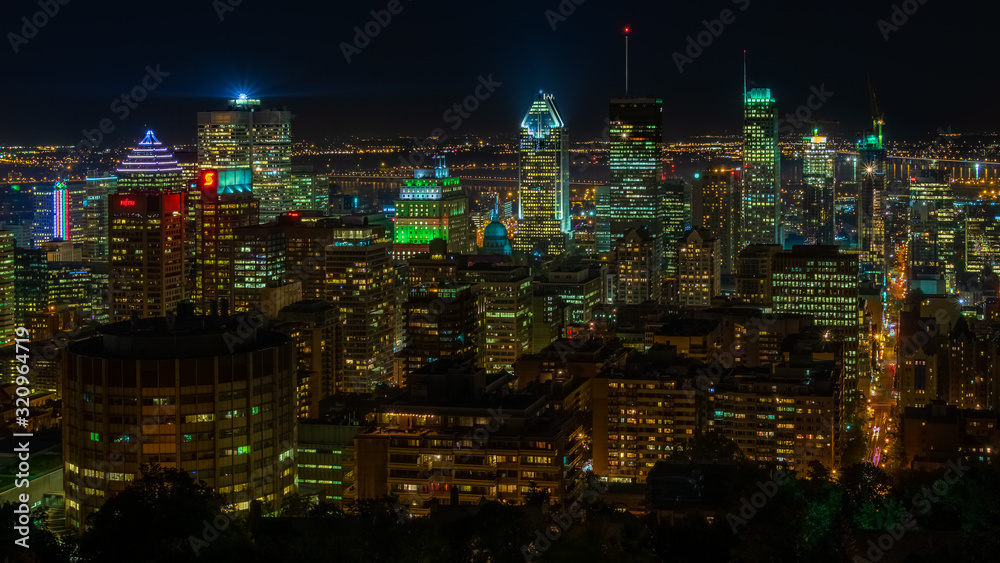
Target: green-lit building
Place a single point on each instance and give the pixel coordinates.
(871, 206)
(636, 162)
(431, 206)
(543, 180)
(761, 170)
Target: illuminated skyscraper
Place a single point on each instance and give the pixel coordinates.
(872, 203)
(698, 268)
(637, 268)
(59, 212)
(146, 234)
(716, 207)
(258, 263)
(95, 232)
(431, 206)
(505, 310)
(636, 161)
(244, 136)
(819, 209)
(543, 182)
(761, 204)
(982, 236)
(673, 218)
(227, 203)
(932, 226)
(7, 304)
(359, 278)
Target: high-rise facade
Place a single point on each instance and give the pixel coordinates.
(819, 201)
(359, 279)
(637, 275)
(432, 205)
(715, 206)
(95, 234)
(59, 212)
(7, 299)
(219, 409)
(872, 206)
(505, 295)
(932, 226)
(146, 234)
(543, 180)
(245, 136)
(636, 162)
(982, 236)
(673, 218)
(258, 263)
(761, 202)
(227, 203)
(698, 268)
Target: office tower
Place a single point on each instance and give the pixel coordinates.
(59, 212)
(446, 402)
(636, 162)
(505, 294)
(244, 136)
(325, 452)
(790, 417)
(95, 232)
(314, 327)
(637, 268)
(603, 241)
(761, 203)
(150, 167)
(819, 202)
(218, 406)
(699, 276)
(308, 190)
(7, 296)
(753, 273)
(543, 180)
(259, 262)
(872, 209)
(441, 323)
(822, 281)
(431, 206)
(227, 203)
(673, 218)
(932, 227)
(146, 234)
(359, 280)
(715, 206)
(982, 236)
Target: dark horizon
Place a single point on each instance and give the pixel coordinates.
(66, 77)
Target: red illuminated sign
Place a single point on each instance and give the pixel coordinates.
(209, 179)
(126, 202)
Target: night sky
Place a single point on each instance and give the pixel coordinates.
(936, 71)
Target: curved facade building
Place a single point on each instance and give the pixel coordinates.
(212, 396)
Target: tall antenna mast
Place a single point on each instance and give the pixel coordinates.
(744, 76)
(627, 30)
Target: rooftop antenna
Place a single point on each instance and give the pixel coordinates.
(627, 31)
(744, 76)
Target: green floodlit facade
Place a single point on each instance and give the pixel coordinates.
(871, 206)
(818, 213)
(636, 162)
(761, 170)
(432, 206)
(543, 180)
